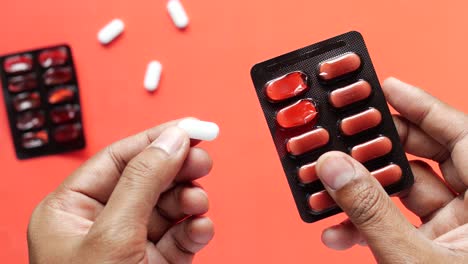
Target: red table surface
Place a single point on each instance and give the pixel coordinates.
(206, 74)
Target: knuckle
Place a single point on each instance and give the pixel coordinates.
(367, 206)
(139, 169)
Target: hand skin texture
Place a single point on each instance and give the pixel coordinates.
(134, 202)
(430, 129)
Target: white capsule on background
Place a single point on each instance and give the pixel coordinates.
(111, 31)
(152, 76)
(177, 12)
(201, 130)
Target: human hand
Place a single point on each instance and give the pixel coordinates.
(430, 129)
(134, 202)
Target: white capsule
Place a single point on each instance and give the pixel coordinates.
(200, 130)
(152, 76)
(111, 31)
(177, 13)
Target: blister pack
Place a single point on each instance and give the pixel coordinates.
(327, 97)
(41, 95)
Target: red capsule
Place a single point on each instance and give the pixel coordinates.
(361, 122)
(30, 120)
(373, 149)
(32, 140)
(53, 57)
(339, 66)
(307, 142)
(64, 113)
(286, 86)
(388, 175)
(18, 63)
(67, 133)
(26, 101)
(350, 94)
(321, 201)
(22, 83)
(307, 173)
(55, 76)
(297, 114)
(61, 95)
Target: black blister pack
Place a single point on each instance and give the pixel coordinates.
(327, 97)
(41, 94)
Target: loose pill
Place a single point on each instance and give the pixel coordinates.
(308, 141)
(152, 76)
(361, 122)
(350, 94)
(321, 201)
(177, 12)
(200, 130)
(297, 114)
(388, 175)
(111, 31)
(307, 173)
(339, 66)
(286, 86)
(373, 149)
(18, 63)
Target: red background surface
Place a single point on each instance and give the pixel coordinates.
(206, 74)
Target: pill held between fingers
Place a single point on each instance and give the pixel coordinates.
(152, 76)
(200, 130)
(111, 31)
(177, 12)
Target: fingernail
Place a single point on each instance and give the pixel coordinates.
(336, 172)
(170, 140)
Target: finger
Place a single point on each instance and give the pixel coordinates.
(99, 175)
(175, 205)
(99, 181)
(428, 193)
(342, 236)
(185, 239)
(419, 143)
(443, 122)
(369, 207)
(144, 178)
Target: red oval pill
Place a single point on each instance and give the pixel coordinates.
(307, 173)
(308, 141)
(297, 114)
(61, 94)
(376, 148)
(54, 76)
(361, 122)
(286, 86)
(67, 133)
(321, 201)
(30, 120)
(350, 94)
(64, 113)
(26, 101)
(18, 63)
(339, 66)
(53, 57)
(34, 139)
(22, 83)
(388, 175)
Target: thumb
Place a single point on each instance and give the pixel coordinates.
(369, 208)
